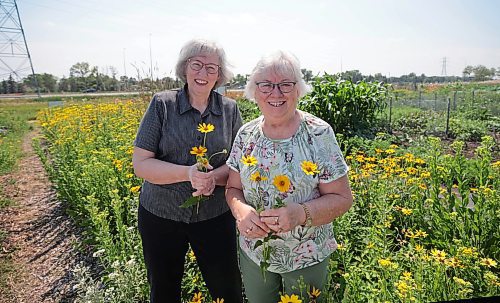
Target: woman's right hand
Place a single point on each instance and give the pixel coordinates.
(203, 182)
(249, 224)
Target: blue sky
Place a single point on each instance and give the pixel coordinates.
(387, 36)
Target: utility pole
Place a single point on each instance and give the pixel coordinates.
(125, 69)
(15, 59)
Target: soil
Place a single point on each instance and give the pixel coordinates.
(40, 238)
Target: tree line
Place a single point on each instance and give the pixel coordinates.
(86, 78)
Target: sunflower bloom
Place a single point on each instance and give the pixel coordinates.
(310, 168)
(256, 177)
(282, 183)
(197, 298)
(290, 299)
(198, 151)
(249, 160)
(205, 128)
(135, 189)
(488, 262)
(314, 293)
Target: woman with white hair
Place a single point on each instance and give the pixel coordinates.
(287, 183)
(167, 133)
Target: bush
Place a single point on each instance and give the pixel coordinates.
(249, 110)
(350, 108)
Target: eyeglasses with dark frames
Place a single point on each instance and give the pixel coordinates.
(267, 87)
(197, 65)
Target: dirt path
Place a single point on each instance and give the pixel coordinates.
(40, 236)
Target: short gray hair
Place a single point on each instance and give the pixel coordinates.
(198, 47)
(282, 63)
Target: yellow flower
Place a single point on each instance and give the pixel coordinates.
(203, 161)
(218, 301)
(197, 298)
(135, 189)
(249, 160)
(205, 128)
(314, 293)
(496, 164)
(407, 275)
(198, 151)
(406, 211)
(488, 262)
(282, 183)
(390, 151)
(130, 176)
(385, 262)
(310, 168)
(438, 254)
(290, 299)
(256, 177)
(461, 281)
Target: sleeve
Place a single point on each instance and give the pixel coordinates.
(149, 133)
(233, 161)
(330, 160)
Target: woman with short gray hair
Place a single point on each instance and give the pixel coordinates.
(287, 183)
(169, 130)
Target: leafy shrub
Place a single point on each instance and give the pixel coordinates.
(350, 108)
(249, 110)
(467, 130)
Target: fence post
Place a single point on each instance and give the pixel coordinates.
(448, 118)
(455, 100)
(420, 99)
(390, 114)
(472, 96)
(435, 101)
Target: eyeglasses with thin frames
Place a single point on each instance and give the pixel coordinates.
(267, 87)
(197, 65)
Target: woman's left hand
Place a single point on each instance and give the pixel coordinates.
(283, 219)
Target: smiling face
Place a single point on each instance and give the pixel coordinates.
(276, 106)
(200, 82)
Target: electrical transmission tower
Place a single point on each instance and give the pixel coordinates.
(443, 67)
(15, 59)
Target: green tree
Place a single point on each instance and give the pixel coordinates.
(482, 73)
(81, 71)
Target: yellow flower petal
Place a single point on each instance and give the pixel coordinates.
(205, 128)
(198, 151)
(282, 183)
(310, 168)
(249, 160)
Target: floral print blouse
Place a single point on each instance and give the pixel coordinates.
(314, 141)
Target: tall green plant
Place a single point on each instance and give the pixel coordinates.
(350, 108)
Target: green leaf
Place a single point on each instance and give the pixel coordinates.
(257, 244)
(192, 201)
